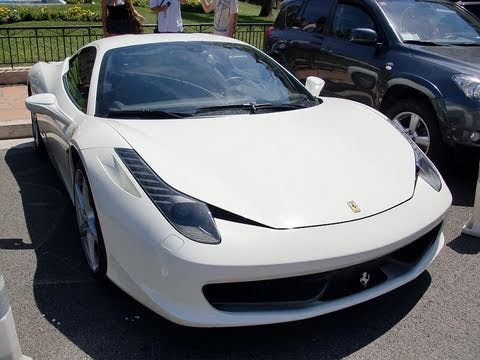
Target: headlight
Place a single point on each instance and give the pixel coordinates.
(189, 216)
(470, 85)
(424, 166)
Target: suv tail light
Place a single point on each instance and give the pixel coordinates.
(267, 33)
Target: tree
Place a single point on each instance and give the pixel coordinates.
(266, 8)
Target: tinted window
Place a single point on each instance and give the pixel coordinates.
(473, 8)
(173, 77)
(315, 15)
(77, 79)
(292, 15)
(348, 17)
(280, 20)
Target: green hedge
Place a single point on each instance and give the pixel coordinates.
(75, 11)
(44, 13)
(193, 6)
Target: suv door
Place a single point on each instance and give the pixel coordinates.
(354, 69)
(287, 28)
(298, 49)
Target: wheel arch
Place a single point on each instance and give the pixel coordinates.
(399, 91)
(77, 160)
(419, 89)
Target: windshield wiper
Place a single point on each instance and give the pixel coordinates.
(426, 43)
(146, 114)
(252, 107)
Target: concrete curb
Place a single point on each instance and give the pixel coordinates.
(15, 129)
(18, 75)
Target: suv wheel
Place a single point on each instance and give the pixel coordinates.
(420, 123)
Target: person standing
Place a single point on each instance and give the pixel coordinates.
(169, 16)
(226, 15)
(120, 17)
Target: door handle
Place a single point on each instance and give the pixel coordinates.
(326, 51)
(299, 42)
(280, 45)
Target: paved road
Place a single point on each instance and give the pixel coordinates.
(61, 313)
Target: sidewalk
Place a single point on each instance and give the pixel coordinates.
(14, 117)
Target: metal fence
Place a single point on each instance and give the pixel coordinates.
(27, 45)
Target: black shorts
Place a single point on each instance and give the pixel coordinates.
(118, 26)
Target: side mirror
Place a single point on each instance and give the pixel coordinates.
(46, 104)
(363, 36)
(314, 85)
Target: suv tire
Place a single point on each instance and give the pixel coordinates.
(419, 122)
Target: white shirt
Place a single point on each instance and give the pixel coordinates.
(115, 2)
(169, 20)
(224, 11)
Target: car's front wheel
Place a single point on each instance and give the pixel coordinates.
(89, 226)
(419, 122)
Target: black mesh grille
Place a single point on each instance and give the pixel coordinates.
(303, 290)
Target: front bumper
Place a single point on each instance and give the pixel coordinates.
(461, 118)
(166, 272)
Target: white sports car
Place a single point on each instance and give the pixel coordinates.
(217, 190)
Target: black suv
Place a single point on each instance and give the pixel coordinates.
(416, 61)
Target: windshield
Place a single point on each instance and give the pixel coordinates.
(437, 23)
(179, 79)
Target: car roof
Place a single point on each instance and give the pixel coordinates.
(120, 41)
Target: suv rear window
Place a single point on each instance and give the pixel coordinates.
(315, 15)
(289, 15)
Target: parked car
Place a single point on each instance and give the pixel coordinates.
(217, 190)
(416, 61)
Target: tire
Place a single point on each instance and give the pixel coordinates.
(91, 237)
(419, 122)
(37, 138)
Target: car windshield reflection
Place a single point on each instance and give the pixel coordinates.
(432, 23)
(179, 79)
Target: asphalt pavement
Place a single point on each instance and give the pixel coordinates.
(62, 313)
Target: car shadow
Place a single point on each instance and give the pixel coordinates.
(105, 323)
(465, 244)
(461, 178)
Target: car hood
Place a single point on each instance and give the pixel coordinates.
(284, 170)
(464, 59)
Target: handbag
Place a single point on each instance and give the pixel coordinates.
(135, 25)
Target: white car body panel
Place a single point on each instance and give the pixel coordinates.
(283, 171)
(174, 269)
(291, 171)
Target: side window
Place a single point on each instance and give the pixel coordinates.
(348, 17)
(315, 15)
(280, 20)
(292, 15)
(77, 78)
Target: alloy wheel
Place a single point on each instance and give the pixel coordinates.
(87, 220)
(415, 127)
